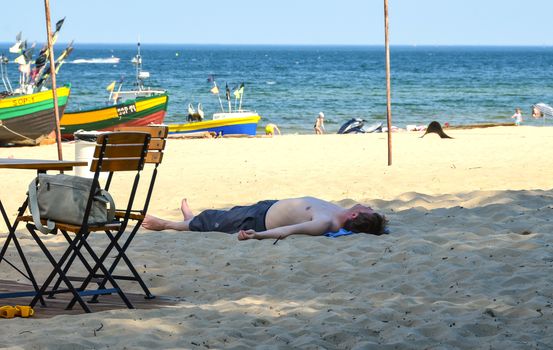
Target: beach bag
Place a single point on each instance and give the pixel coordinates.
(63, 198)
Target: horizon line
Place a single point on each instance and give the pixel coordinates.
(302, 44)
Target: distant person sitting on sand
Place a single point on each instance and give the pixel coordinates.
(517, 116)
(320, 124)
(536, 113)
(276, 219)
(271, 128)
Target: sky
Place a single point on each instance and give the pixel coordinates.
(285, 22)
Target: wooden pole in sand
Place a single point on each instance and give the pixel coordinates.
(388, 84)
(53, 75)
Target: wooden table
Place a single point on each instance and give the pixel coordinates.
(41, 166)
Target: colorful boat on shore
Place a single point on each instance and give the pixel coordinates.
(135, 112)
(27, 112)
(27, 119)
(138, 107)
(233, 123)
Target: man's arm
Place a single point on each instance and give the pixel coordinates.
(312, 228)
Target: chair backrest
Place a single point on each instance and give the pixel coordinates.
(158, 140)
(156, 147)
(120, 151)
(117, 151)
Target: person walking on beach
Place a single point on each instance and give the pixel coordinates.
(320, 124)
(276, 219)
(517, 116)
(271, 128)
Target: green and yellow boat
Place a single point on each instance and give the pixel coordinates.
(140, 111)
(27, 119)
(140, 107)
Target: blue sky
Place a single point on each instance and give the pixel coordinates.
(357, 22)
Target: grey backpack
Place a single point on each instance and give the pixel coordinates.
(63, 198)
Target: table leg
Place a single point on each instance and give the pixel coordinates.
(12, 236)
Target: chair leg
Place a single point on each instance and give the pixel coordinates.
(70, 262)
(122, 255)
(57, 270)
(100, 265)
(137, 277)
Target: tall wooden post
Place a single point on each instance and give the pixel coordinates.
(388, 84)
(53, 75)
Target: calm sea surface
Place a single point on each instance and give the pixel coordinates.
(289, 85)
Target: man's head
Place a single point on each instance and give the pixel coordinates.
(364, 219)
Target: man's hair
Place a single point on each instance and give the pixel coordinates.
(368, 223)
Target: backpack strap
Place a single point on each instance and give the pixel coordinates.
(111, 210)
(35, 211)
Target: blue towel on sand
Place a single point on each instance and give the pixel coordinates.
(340, 232)
(344, 232)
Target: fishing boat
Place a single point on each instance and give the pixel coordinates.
(138, 107)
(27, 119)
(27, 112)
(135, 112)
(231, 122)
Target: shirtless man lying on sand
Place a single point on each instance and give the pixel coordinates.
(276, 219)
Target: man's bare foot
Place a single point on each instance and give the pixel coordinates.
(185, 209)
(154, 223)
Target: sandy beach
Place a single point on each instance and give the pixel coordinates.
(467, 263)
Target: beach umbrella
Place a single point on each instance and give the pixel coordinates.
(388, 83)
(53, 76)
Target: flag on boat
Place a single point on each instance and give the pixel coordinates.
(26, 54)
(44, 74)
(17, 48)
(239, 92)
(61, 59)
(59, 24)
(58, 27)
(41, 59)
(111, 86)
(25, 68)
(215, 90)
(20, 59)
(29, 53)
(228, 92)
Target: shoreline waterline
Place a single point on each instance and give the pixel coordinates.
(290, 85)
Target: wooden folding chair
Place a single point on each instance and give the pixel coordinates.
(115, 152)
(156, 147)
(154, 156)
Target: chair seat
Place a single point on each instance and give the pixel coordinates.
(71, 227)
(119, 214)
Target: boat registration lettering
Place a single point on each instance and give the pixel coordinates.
(23, 100)
(124, 110)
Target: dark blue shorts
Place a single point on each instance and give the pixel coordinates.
(251, 217)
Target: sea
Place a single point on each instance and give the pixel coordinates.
(290, 85)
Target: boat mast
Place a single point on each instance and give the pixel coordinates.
(227, 93)
(53, 77)
(218, 96)
(241, 95)
(138, 63)
(4, 73)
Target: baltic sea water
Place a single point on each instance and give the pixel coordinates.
(289, 85)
